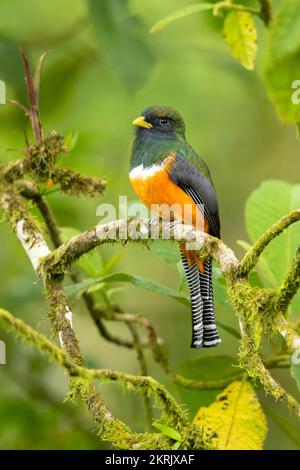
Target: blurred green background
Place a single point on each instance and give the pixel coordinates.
(88, 88)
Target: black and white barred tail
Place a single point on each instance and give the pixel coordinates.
(205, 334)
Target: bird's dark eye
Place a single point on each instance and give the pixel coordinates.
(164, 122)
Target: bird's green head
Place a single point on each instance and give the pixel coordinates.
(159, 130)
(160, 121)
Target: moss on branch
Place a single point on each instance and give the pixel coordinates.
(40, 163)
(112, 429)
(137, 231)
(251, 257)
(289, 285)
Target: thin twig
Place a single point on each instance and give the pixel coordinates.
(143, 370)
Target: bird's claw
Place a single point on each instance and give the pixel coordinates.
(173, 223)
(154, 220)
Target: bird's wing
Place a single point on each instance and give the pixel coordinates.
(199, 187)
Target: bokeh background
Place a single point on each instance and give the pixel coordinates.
(87, 88)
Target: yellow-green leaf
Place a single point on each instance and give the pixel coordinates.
(235, 420)
(240, 35)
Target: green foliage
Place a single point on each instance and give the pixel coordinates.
(264, 207)
(281, 53)
(240, 34)
(169, 252)
(137, 281)
(13, 65)
(170, 432)
(208, 368)
(285, 424)
(120, 34)
(295, 372)
(53, 425)
(71, 140)
(239, 29)
(282, 62)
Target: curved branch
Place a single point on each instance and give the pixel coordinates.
(163, 361)
(251, 257)
(256, 369)
(35, 246)
(143, 384)
(53, 266)
(29, 191)
(110, 427)
(139, 231)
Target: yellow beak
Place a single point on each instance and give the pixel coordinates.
(140, 122)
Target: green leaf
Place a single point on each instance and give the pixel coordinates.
(262, 266)
(232, 331)
(122, 39)
(179, 14)
(220, 290)
(137, 281)
(285, 424)
(236, 419)
(11, 67)
(254, 279)
(168, 251)
(204, 368)
(170, 432)
(295, 373)
(282, 61)
(240, 35)
(111, 263)
(71, 140)
(92, 263)
(265, 206)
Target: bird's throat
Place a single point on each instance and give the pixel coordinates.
(149, 151)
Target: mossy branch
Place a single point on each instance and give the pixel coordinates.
(111, 428)
(138, 231)
(249, 303)
(55, 264)
(30, 191)
(289, 285)
(40, 163)
(142, 384)
(251, 257)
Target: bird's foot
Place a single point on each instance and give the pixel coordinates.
(173, 223)
(154, 220)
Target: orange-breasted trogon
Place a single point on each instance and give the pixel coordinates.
(165, 170)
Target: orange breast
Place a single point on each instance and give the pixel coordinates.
(156, 190)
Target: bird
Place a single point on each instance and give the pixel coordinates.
(166, 172)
